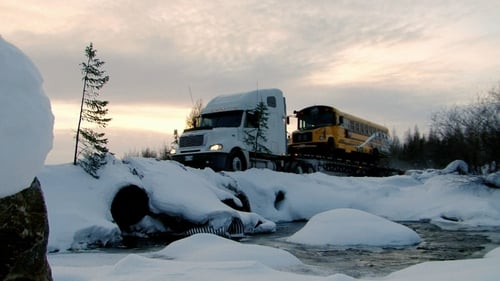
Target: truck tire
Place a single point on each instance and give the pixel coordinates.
(236, 161)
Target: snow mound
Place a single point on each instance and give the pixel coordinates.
(353, 227)
(209, 247)
(493, 179)
(458, 270)
(457, 166)
(495, 253)
(26, 120)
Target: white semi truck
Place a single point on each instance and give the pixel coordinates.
(226, 136)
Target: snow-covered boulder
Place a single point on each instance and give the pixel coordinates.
(26, 120)
(353, 227)
(26, 123)
(208, 247)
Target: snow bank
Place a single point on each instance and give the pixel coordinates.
(79, 206)
(495, 253)
(288, 197)
(353, 227)
(473, 269)
(208, 247)
(26, 120)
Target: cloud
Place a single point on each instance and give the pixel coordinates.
(402, 58)
(237, 44)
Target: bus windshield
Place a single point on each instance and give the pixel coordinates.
(221, 119)
(314, 117)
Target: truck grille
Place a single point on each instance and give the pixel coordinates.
(302, 137)
(188, 141)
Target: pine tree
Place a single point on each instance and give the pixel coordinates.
(91, 150)
(256, 140)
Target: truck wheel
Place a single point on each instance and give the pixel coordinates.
(236, 161)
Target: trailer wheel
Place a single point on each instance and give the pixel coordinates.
(331, 148)
(295, 167)
(310, 169)
(236, 161)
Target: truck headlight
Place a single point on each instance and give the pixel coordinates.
(216, 147)
(173, 151)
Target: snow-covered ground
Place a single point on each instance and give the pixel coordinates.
(341, 210)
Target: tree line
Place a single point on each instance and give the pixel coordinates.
(467, 132)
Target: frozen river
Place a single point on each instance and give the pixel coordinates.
(437, 244)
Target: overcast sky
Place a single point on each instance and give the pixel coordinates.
(393, 62)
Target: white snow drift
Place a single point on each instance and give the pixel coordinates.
(26, 120)
(353, 227)
(208, 247)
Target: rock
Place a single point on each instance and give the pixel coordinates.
(24, 232)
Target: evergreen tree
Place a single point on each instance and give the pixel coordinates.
(90, 146)
(395, 146)
(256, 137)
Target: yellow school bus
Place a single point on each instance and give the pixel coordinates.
(327, 131)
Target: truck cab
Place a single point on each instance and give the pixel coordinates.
(226, 136)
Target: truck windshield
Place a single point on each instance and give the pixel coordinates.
(313, 117)
(221, 119)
